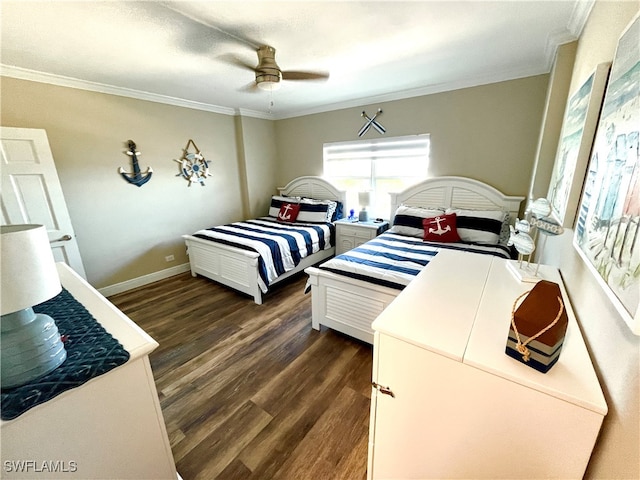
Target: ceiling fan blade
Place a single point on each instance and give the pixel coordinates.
(251, 87)
(196, 16)
(293, 75)
(233, 60)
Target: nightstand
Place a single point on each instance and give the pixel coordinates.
(351, 234)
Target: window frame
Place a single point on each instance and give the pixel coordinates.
(372, 150)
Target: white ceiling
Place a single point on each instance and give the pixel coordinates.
(174, 52)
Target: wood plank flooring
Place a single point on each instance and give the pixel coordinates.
(251, 391)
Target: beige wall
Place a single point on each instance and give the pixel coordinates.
(557, 94)
(125, 231)
(487, 132)
(260, 157)
(614, 350)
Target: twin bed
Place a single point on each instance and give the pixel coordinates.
(350, 304)
(238, 265)
(351, 290)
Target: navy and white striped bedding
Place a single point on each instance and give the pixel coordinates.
(281, 245)
(394, 260)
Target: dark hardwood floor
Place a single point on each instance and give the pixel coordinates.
(251, 391)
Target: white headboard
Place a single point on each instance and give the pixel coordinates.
(456, 192)
(313, 187)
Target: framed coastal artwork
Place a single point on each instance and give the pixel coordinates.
(607, 232)
(576, 140)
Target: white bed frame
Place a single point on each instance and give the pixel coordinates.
(350, 305)
(238, 268)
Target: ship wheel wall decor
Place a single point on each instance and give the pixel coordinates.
(193, 166)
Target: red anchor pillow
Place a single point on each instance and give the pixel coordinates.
(288, 212)
(441, 229)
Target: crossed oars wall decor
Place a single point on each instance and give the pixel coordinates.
(136, 178)
(371, 121)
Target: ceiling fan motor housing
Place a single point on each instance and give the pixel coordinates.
(267, 69)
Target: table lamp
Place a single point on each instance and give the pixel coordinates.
(364, 198)
(30, 344)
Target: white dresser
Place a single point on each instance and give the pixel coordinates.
(450, 403)
(110, 427)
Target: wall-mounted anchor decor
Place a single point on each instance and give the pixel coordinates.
(371, 121)
(193, 166)
(136, 178)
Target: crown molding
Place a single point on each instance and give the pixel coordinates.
(554, 40)
(62, 81)
(579, 16)
(575, 25)
(498, 76)
(243, 112)
(495, 77)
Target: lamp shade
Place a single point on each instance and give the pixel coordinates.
(364, 198)
(29, 274)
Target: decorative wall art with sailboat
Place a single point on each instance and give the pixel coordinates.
(607, 231)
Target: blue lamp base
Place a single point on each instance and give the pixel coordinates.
(363, 216)
(30, 347)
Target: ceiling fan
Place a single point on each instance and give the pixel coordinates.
(268, 73)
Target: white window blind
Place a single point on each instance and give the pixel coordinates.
(380, 166)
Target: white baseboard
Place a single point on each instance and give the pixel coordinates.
(144, 280)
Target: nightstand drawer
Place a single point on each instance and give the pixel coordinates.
(350, 231)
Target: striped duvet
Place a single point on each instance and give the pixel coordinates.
(394, 260)
(281, 245)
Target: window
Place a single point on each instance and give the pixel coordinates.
(381, 166)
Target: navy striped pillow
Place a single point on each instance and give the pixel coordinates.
(479, 226)
(408, 220)
(313, 213)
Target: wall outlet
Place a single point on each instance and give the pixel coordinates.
(169, 258)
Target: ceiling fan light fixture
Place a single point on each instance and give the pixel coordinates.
(268, 82)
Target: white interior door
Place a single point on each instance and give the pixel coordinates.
(31, 191)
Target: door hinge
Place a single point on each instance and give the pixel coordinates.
(382, 389)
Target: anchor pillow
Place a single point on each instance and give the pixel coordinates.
(277, 201)
(288, 212)
(441, 229)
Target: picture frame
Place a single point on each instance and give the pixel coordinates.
(607, 232)
(576, 139)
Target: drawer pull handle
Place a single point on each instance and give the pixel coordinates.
(64, 238)
(381, 389)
